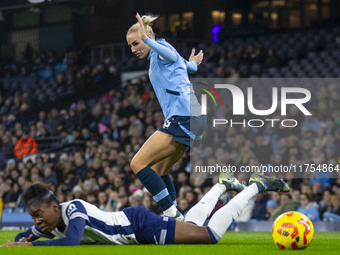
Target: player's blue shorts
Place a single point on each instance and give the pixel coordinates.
(150, 228)
(187, 130)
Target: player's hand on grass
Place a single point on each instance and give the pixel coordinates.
(141, 28)
(197, 58)
(26, 239)
(9, 243)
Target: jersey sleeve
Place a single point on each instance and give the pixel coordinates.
(76, 210)
(164, 52)
(191, 66)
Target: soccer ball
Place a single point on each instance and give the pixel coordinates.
(292, 230)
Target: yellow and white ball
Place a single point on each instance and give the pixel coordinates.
(292, 230)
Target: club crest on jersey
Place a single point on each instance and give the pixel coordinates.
(71, 209)
(167, 124)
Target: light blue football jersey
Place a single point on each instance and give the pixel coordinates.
(172, 86)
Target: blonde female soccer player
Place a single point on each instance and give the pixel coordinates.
(78, 222)
(184, 123)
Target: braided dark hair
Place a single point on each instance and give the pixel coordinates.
(39, 193)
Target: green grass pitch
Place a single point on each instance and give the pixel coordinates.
(253, 243)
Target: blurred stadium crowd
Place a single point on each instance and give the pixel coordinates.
(87, 126)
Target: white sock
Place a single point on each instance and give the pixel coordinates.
(222, 219)
(171, 211)
(201, 211)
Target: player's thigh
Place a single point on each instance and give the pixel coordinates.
(158, 147)
(191, 234)
(162, 167)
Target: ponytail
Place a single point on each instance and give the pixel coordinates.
(147, 22)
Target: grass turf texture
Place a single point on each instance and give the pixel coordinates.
(232, 243)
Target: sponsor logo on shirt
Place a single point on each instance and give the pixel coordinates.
(166, 125)
(71, 209)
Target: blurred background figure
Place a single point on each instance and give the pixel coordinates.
(334, 212)
(309, 208)
(26, 145)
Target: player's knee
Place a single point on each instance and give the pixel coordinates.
(133, 165)
(136, 165)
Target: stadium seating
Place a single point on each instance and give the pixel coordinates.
(312, 53)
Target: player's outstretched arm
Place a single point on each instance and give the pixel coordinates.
(9, 243)
(167, 54)
(196, 58)
(194, 61)
(22, 239)
(26, 236)
(73, 237)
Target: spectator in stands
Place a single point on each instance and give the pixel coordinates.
(272, 203)
(191, 197)
(24, 114)
(334, 213)
(91, 198)
(27, 99)
(2, 155)
(112, 201)
(307, 189)
(54, 122)
(310, 124)
(262, 149)
(123, 201)
(147, 202)
(309, 208)
(183, 206)
(271, 59)
(77, 192)
(14, 175)
(286, 204)
(102, 200)
(259, 210)
(325, 204)
(9, 121)
(81, 166)
(317, 192)
(25, 145)
(228, 60)
(11, 194)
(134, 200)
(83, 114)
(271, 206)
(50, 177)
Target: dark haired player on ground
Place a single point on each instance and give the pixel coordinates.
(78, 222)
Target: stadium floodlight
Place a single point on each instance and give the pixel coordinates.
(36, 1)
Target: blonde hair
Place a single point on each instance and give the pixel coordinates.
(147, 22)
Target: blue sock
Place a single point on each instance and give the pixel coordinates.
(171, 188)
(156, 186)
